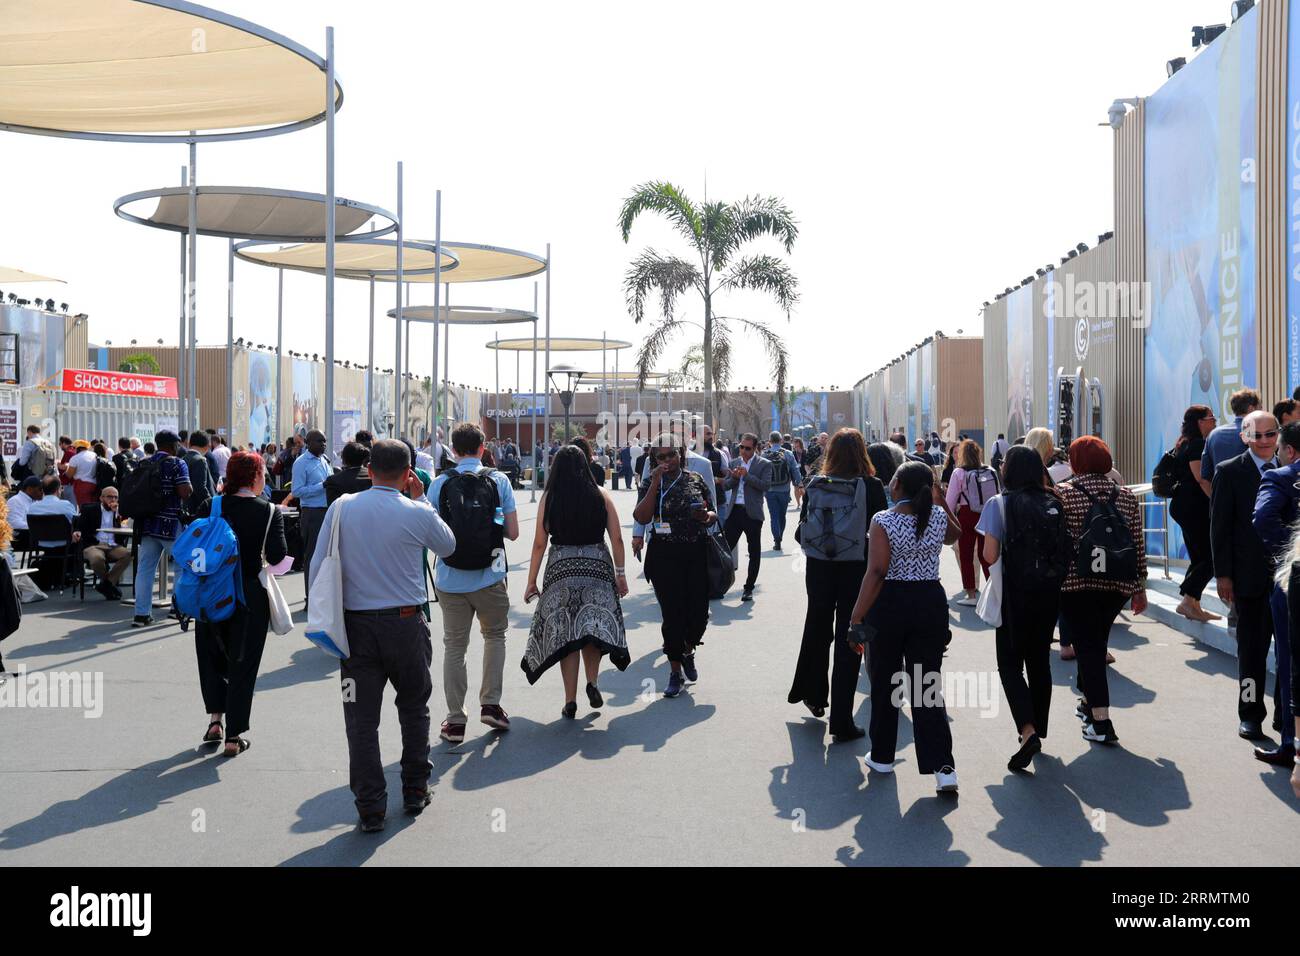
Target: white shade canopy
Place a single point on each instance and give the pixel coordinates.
(250, 212)
(151, 70)
(355, 257)
(561, 344)
(8, 276)
(463, 315)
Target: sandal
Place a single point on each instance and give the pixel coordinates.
(240, 742)
(214, 734)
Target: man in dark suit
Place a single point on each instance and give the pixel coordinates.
(353, 477)
(1242, 567)
(1276, 509)
(747, 483)
(99, 547)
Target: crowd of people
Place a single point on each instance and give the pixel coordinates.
(1047, 539)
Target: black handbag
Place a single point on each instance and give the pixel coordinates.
(722, 565)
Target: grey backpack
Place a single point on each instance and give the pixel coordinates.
(834, 527)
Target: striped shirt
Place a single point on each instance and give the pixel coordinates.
(1076, 510)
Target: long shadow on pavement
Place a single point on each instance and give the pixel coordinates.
(132, 793)
(306, 665)
(1041, 819)
(334, 810)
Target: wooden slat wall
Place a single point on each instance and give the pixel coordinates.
(1130, 266)
(1271, 201)
(959, 387)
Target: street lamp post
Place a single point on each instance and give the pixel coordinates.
(572, 376)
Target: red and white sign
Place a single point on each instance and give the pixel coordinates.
(118, 383)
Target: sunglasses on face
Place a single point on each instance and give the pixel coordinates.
(1260, 436)
(665, 456)
(746, 447)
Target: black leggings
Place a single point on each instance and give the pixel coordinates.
(1024, 644)
(1089, 615)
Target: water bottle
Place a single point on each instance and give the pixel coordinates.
(499, 516)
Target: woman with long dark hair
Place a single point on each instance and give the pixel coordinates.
(832, 586)
(1190, 507)
(230, 651)
(674, 505)
(885, 457)
(1025, 526)
(903, 602)
(579, 612)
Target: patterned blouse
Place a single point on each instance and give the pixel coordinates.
(1076, 509)
(911, 559)
(681, 495)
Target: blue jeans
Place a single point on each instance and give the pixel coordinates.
(1282, 654)
(778, 502)
(151, 550)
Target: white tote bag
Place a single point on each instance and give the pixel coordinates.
(989, 607)
(325, 626)
(281, 617)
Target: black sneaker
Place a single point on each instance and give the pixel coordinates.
(141, 620)
(1102, 731)
(688, 667)
(414, 800)
(1021, 759)
(373, 823)
(109, 592)
(1082, 710)
(747, 594)
(675, 684)
(777, 545)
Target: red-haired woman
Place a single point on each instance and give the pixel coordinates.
(230, 651)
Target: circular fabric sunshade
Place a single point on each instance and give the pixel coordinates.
(463, 315)
(8, 275)
(617, 378)
(355, 257)
(477, 263)
(561, 345)
(248, 212)
(139, 70)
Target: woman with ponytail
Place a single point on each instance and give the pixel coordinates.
(906, 612)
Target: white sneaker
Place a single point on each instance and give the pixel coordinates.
(878, 767)
(968, 601)
(945, 781)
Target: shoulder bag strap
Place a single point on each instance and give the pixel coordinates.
(267, 533)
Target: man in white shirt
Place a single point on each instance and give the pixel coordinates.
(29, 492)
(221, 455)
(51, 504)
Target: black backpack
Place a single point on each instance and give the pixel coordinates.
(142, 494)
(1036, 542)
(780, 470)
(1165, 479)
(1106, 548)
(105, 474)
(468, 502)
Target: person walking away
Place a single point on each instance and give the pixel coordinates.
(747, 483)
(123, 461)
(579, 614)
(1000, 448)
(1189, 506)
(153, 497)
(310, 469)
(220, 457)
(100, 546)
(902, 599)
(105, 472)
(785, 474)
(35, 458)
(352, 478)
(972, 485)
(382, 536)
(674, 505)
(837, 509)
(478, 505)
(229, 652)
(1108, 571)
(81, 470)
(1276, 509)
(1025, 526)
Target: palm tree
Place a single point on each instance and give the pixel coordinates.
(716, 231)
(140, 363)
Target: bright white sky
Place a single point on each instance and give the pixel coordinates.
(933, 153)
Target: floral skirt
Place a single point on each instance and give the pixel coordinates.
(579, 606)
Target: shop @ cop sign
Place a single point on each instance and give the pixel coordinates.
(118, 383)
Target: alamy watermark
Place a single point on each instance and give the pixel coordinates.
(1084, 299)
(71, 690)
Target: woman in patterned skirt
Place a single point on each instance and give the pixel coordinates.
(579, 611)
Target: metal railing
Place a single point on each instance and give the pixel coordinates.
(1149, 500)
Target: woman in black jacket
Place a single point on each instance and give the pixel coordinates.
(230, 651)
(832, 588)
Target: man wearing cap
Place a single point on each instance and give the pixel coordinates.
(158, 531)
(81, 470)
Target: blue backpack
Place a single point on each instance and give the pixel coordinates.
(210, 582)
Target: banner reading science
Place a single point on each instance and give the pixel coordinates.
(1200, 238)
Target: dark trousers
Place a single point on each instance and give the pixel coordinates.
(309, 523)
(1254, 632)
(390, 649)
(1089, 616)
(1283, 702)
(229, 655)
(739, 522)
(911, 622)
(1293, 627)
(1193, 519)
(832, 588)
(1024, 644)
(679, 573)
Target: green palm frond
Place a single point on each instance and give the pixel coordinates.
(764, 273)
(652, 348)
(651, 272)
(721, 357)
(773, 345)
(666, 199)
(757, 216)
